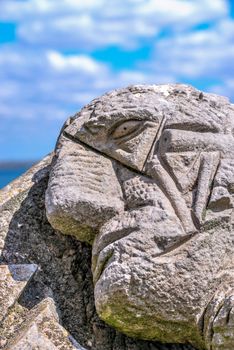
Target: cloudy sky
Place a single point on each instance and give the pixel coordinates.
(56, 55)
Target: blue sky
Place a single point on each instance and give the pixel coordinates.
(55, 56)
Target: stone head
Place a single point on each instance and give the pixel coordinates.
(145, 175)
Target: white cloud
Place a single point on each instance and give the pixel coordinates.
(200, 55)
(91, 23)
(85, 32)
(46, 84)
(74, 63)
(226, 88)
(41, 85)
(40, 82)
(183, 12)
(49, 85)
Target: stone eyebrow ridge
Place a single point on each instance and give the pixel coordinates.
(207, 112)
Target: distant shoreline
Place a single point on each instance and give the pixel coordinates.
(11, 165)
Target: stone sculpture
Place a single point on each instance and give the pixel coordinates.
(46, 289)
(146, 175)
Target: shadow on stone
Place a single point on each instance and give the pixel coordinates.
(63, 273)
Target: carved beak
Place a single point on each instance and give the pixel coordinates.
(83, 191)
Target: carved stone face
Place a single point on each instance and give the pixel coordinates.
(146, 175)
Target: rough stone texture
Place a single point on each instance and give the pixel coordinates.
(13, 279)
(64, 271)
(42, 331)
(146, 175)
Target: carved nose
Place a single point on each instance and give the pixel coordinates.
(83, 192)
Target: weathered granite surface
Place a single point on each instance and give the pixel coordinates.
(63, 274)
(144, 176)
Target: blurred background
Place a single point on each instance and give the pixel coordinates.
(55, 56)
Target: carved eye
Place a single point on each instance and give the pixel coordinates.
(126, 128)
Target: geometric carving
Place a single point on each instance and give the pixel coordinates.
(184, 166)
(119, 144)
(146, 175)
(13, 280)
(42, 331)
(208, 167)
